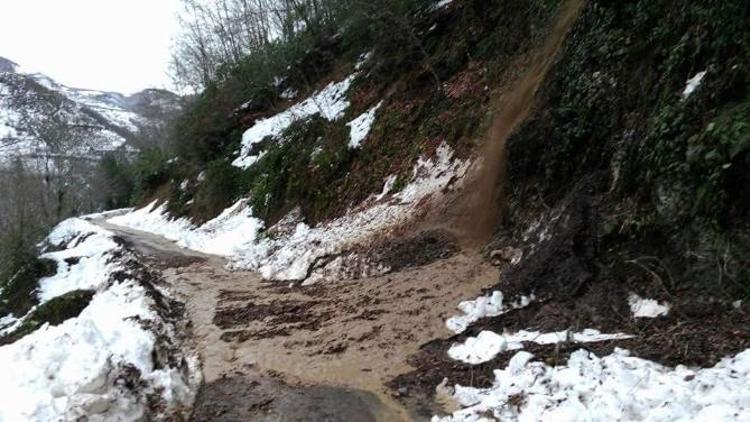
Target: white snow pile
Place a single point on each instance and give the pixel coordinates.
(361, 126)
(292, 255)
(330, 103)
(92, 260)
(223, 236)
(99, 365)
(488, 344)
(483, 307)
(292, 252)
(692, 84)
(616, 387)
(646, 308)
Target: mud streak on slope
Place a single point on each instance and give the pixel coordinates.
(481, 208)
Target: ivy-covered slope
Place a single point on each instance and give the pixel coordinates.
(646, 115)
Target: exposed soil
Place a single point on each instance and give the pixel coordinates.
(415, 251)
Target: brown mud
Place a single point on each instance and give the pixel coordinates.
(480, 208)
(275, 351)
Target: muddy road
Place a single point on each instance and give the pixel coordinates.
(281, 352)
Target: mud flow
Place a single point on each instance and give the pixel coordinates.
(479, 208)
(280, 352)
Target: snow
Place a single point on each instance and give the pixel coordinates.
(78, 369)
(295, 247)
(360, 127)
(234, 228)
(441, 4)
(646, 308)
(330, 103)
(487, 344)
(17, 142)
(8, 324)
(64, 371)
(363, 60)
(291, 256)
(390, 181)
(692, 84)
(91, 251)
(615, 387)
(483, 307)
(289, 94)
(109, 105)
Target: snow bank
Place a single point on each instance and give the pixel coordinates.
(292, 255)
(296, 247)
(646, 308)
(330, 103)
(99, 365)
(84, 266)
(233, 229)
(487, 344)
(483, 307)
(615, 387)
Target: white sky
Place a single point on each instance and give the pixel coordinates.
(113, 45)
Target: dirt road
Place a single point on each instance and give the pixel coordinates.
(276, 352)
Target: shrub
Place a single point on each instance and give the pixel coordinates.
(54, 312)
(116, 182)
(151, 170)
(17, 296)
(223, 184)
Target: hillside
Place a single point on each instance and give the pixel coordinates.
(464, 210)
(32, 105)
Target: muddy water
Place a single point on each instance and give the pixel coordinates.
(481, 209)
(273, 352)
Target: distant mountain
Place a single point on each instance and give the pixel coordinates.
(39, 116)
(7, 65)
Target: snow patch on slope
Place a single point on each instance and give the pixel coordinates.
(360, 127)
(692, 84)
(646, 308)
(615, 387)
(330, 103)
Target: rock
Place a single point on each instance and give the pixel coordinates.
(505, 256)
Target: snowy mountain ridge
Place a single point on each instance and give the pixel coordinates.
(31, 102)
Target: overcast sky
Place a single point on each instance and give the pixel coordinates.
(114, 45)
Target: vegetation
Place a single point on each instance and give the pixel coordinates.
(439, 72)
(669, 170)
(17, 296)
(54, 312)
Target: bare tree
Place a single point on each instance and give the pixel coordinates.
(217, 33)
